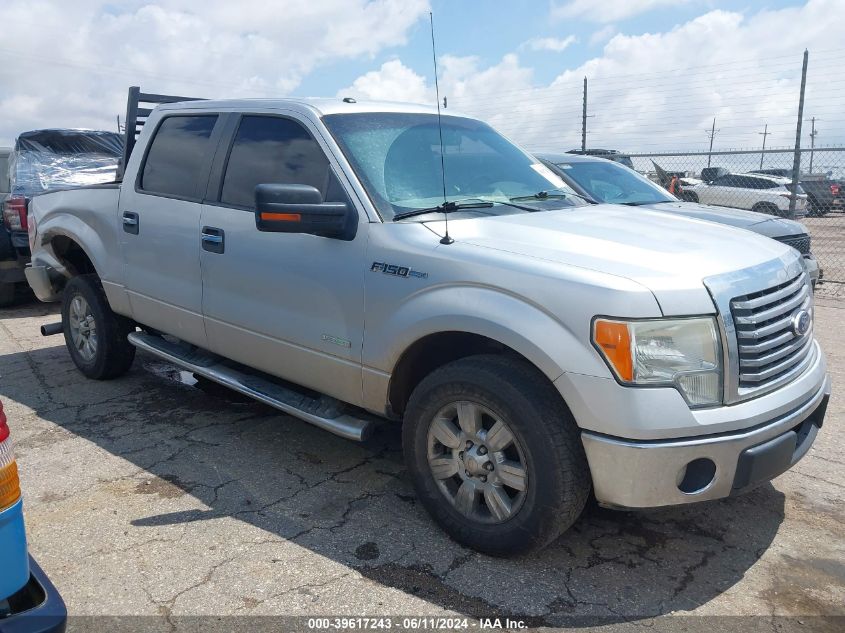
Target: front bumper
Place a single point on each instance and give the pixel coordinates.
(652, 473)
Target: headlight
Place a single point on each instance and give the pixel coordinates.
(682, 353)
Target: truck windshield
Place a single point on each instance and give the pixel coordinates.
(606, 181)
(398, 160)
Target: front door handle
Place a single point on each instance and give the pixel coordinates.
(213, 239)
(131, 222)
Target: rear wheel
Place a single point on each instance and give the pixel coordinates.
(7, 295)
(689, 196)
(769, 209)
(495, 455)
(95, 336)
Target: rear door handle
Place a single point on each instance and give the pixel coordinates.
(213, 239)
(131, 222)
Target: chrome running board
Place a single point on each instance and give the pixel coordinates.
(327, 413)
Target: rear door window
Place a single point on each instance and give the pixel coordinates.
(724, 181)
(275, 150)
(178, 155)
(764, 183)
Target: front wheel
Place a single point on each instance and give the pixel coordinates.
(95, 336)
(7, 294)
(495, 455)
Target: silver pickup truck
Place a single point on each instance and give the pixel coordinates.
(349, 263)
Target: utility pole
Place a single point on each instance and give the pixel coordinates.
(813, 135)
(764, 133)
(796, 158)
(584, 120)
(712, 134)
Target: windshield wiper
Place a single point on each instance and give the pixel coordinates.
(548, 195)
(640, 204)
(451, 207)
(446, 207)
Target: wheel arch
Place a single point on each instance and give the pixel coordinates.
(75, 259)
(69, 247)
(443, 324)
(433, 351)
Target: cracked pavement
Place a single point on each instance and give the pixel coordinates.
(155, 494)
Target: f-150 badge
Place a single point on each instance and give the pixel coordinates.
(396, 270)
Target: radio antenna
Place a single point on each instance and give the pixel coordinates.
(445, 239)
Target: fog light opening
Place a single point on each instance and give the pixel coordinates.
(696, 476)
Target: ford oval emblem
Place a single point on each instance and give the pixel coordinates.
(801, 323)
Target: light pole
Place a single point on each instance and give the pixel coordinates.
(764, 133)
(712, 134)
(813, 135)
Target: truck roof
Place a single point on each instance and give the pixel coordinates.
(318, 105)
(571, 158)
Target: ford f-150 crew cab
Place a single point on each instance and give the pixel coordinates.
(533, 349)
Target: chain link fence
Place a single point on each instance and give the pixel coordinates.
(764, 182)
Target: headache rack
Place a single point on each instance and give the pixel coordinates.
(136, 116)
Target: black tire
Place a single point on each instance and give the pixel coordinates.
(816, 209)
(112, 354)
(689, 196)
(769, 209)
(557, 472)
(7, 295)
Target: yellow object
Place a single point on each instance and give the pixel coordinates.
(10, 485)
(614, 340)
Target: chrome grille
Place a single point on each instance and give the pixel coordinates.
(768, 348)
(800, 243)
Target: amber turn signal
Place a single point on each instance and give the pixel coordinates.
(281, 217)
(614, 341)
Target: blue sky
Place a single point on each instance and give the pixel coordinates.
(489, 30)
(659, 70)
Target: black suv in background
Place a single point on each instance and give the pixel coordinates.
(10, 272)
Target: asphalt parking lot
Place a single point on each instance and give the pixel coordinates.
(153, 495)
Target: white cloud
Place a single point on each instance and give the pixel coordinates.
(79, 57)
(659, 91)
(608, 10)
(554, 44)
(461, 78)
(603, 35)
(392, 82)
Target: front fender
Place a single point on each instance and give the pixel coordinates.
(527, 328)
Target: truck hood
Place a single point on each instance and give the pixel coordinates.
(668, 254)
(751, 220)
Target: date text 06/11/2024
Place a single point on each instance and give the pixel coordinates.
(415, 623)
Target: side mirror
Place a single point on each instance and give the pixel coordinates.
(300, 209)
